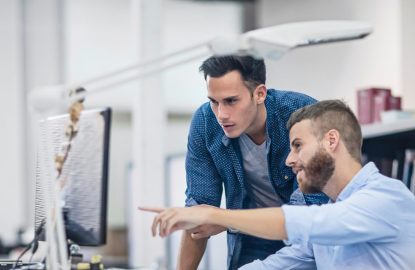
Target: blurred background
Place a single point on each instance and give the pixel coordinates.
(51, 42)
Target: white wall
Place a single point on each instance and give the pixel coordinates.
(30, 53)
(337, 70)
(99, 39)
(187, 23)
(12, 155)
(43, 44)
(408, 53)
(43, 64)
(120, 160)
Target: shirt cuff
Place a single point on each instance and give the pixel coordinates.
(191, 202)
(298, 222)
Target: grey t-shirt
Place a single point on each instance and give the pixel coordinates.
(255, 163)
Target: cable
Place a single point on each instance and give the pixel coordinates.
(29, 246)
(34, 244)
(31, 257)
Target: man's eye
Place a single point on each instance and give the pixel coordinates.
(232, 101)
(213, 102)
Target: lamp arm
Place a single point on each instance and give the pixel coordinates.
(271, 42)
(137, 71)
(144, 64)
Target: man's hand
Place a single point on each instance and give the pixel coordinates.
(205, 231)
(170, 220)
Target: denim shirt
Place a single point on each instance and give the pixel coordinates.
(214, 161)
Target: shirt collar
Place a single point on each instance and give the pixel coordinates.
(267, 139)
(225, 140)
(358, 181)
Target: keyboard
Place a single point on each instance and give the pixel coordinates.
(8, 265)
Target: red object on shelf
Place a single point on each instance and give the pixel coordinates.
(395, 103)
(370, 102)
(381, 103)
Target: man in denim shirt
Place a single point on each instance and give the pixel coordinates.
(239, 141)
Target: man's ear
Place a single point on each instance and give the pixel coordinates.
(332, 139)
(260, 93)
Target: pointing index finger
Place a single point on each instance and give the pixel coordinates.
(151, 209)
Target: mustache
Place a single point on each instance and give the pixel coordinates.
(297, 168)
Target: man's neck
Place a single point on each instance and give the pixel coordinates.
(344, 173)
(258, 133)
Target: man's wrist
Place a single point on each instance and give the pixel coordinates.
(217, 215)
(211, 215)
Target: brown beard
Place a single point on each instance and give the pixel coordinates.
(318, 171)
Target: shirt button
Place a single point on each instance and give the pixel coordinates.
(286, 177)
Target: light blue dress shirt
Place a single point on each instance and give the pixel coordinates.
(370, 226)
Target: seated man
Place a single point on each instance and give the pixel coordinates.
(368, 224)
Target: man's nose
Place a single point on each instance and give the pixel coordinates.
(290, 160)
(222, 112)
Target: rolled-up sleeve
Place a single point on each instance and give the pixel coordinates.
(204, 185)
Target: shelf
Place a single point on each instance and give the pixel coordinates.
(388, 139)
(386, 143)
(379, 130)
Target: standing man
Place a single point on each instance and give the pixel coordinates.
(368, 224)
(238, 141)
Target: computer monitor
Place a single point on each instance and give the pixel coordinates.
(85, 176)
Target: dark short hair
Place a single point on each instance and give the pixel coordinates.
(252, 70)
(332, 114)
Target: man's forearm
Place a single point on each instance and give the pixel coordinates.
(191, 252)
(268, 223)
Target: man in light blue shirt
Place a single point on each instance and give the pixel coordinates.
(370, 226)
(369, 223)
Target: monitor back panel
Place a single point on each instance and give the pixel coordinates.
(84, 176)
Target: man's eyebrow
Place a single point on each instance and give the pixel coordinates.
(231, 98)
(225, 98)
